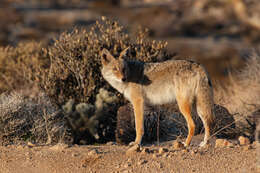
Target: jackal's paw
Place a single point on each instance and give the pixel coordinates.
(132, 143)
(185, 144)
(203, 144)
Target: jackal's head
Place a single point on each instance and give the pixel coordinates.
(112, 68)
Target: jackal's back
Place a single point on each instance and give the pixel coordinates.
(174, 77)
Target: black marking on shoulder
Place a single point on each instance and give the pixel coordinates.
(209, 82)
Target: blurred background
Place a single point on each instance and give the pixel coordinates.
(218, 33)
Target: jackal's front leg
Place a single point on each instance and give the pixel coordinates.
(139, 119)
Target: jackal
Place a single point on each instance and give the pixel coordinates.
(171, 81)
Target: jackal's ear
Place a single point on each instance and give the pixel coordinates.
(123, 53)
(106, 56)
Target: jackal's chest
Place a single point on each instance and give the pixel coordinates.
(158, 96)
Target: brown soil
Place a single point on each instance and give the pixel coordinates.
(113, 158)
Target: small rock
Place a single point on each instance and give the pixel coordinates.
(145, 150)
(193, 152)
(162, 150)
(165, 155)
(128, 164)
(20, 147)
(185, 150)
(155, 156)
(243, 140)
(220, 143)
(30, 144)
(110, 143)
(93, 152)
(59, 147)
(133, 149)
(178, 145)
(75, 154)
(248, 147)
(141, 162)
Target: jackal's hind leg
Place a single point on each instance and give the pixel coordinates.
(204, 104)
(185, 108)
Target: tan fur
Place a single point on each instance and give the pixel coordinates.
(184, 82)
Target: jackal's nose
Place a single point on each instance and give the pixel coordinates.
(123, 79)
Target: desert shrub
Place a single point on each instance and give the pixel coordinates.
(242, 91)
(75, 74)
(24, 118)
(75, 59)
(155, 118)
(70, 69)
(241, 95)
(22, 65)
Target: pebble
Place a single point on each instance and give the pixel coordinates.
(75, 154)
(93, 152)
(243, 140)
(141, 162)
(220, 143)
(59, 147)
(128, 164)
(177, 145)
(165, 155)
(145, 150)
(248, 147)
(30, 144)
(155, 155)
(110, 143)
(162, 150)
(193, 152)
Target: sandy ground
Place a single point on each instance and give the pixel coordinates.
(113, 158)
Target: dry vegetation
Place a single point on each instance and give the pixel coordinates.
(21, 66)
(68, 72)
(241, 95)
(31, 119)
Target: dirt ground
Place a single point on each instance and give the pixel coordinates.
(113, 158)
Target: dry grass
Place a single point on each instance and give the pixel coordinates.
(24, 118)
(22, 65)
(241, 95)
